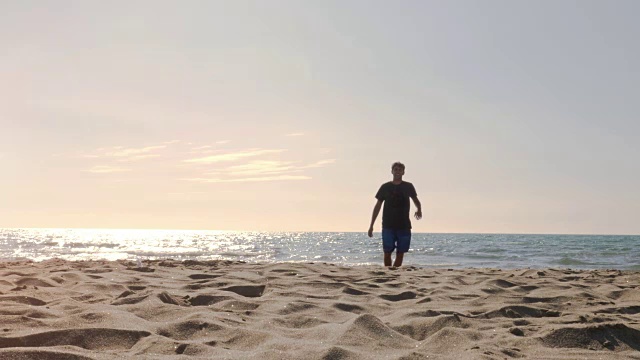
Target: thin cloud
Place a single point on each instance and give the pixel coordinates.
(221, 142)
(202, 150)
(271, 167)
(186, 195)
(250, 179)
(134, 151)
(171, 142)
(105, 169)
(128, 154)
(295, 134)
(261, 167)
(138, 158)
(321, 163)
(233, 156)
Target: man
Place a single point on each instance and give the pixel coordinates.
(396, 225)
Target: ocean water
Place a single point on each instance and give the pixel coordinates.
(506, 251)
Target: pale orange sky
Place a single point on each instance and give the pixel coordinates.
(249, 115)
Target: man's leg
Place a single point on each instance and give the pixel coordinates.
(399, 257)
(404, 242)
(387, 259)
(388, 244)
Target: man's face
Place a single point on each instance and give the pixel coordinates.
(397, 171)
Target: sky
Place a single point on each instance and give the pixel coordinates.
(511, 116)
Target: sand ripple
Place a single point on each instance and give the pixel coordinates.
(58, 310)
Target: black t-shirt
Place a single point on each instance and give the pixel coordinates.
(396, 204)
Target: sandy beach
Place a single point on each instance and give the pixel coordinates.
(233, 310)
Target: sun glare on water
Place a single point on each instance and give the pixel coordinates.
(117, 244)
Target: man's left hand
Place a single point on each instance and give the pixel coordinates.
(418, 215)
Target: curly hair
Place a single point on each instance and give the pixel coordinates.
(397, 163)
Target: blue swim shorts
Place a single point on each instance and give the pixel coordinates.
(393, 238)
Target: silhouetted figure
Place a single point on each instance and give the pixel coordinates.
(396, 225)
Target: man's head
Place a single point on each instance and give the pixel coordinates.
(397, 169)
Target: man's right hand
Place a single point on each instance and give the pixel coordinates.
(370, 233)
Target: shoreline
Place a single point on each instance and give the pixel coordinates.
(223, 309)
(406, 265)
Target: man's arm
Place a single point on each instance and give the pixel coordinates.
(416, 202)
(374, 216)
